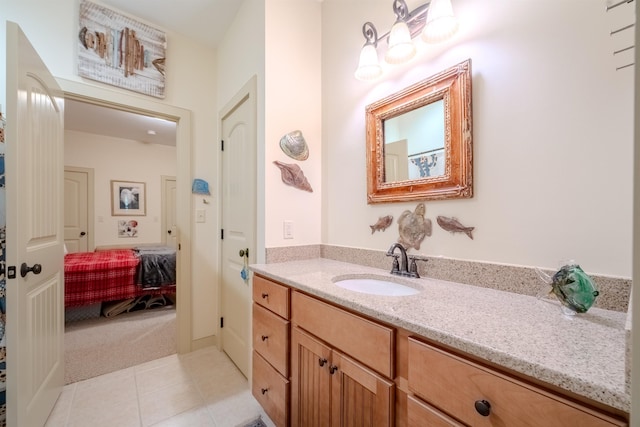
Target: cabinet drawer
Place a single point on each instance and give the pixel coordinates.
(421, 414)
(271, 390)
(362, 339)
(271, 338)
(271, 295)
(454, 384)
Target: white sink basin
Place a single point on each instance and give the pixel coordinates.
(376, 287)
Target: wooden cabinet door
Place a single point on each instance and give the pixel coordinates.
(359, 396)
(310, 381)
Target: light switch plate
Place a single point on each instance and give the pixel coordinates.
(201, 215)
(287, 229)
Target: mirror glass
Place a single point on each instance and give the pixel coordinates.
(414, 144)
(419, 144)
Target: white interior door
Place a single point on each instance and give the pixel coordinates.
(396, 164)
(169, 228)
(34, 183)
(239, 226)
(78, 199)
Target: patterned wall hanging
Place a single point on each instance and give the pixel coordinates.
(117, 50)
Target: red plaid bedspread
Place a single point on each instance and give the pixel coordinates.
(92, 277)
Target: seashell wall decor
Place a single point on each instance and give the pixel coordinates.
(413, 227)
(292, 175)
(294, 145)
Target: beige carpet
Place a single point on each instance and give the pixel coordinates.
(98, 346)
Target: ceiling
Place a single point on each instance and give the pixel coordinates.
(202, 20)
(89, 118)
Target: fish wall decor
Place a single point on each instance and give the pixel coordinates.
(383, 223)
(292, 175)
(453, 225)
(413, 227)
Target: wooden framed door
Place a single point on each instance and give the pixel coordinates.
(310, 381)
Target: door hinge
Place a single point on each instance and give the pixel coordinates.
(11, 272)
(179, 247)
(222, 322)
(222, 234)
(222, 144)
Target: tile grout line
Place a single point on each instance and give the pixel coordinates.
(135, 380)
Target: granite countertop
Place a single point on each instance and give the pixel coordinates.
(584, 354)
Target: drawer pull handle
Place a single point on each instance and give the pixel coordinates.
(264, 390)
(333, 369)
(321, 362)
(265, 337)
(265, 295)
(483, 407)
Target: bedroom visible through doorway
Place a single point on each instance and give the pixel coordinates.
(92, 143)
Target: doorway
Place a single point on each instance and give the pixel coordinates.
(182, 118)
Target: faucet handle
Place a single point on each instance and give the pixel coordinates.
(395, 267)
(413, 268)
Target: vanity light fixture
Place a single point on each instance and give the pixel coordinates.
(434, 20)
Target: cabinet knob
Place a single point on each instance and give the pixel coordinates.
(333, 369)
(264, 390)
(321, 362)
(265, 295)
(483, 407)
(265, 337)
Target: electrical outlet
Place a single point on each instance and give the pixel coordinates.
(287, 229)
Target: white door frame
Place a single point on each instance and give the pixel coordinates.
(91, 243)
(122, 101)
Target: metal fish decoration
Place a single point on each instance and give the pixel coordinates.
(292, 175)
(382, 224)
(454, 226)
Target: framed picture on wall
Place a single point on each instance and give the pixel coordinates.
(128, 198)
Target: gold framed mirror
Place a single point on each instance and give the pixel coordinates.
(419, 142)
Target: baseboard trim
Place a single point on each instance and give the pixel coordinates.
(203, 342)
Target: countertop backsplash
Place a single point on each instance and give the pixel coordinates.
(614, 291)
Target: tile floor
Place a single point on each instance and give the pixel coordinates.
(199, 389)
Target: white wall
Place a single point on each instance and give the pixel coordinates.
(122, 160)
(552, 134)
(293, 102)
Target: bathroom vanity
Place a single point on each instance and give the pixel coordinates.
(450, 355)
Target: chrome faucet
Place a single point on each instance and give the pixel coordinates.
(403, 268)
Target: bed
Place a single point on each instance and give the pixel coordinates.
(118, 274)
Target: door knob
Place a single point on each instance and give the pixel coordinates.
(244, 252)
(82, 233)
(24, 269)
(169, 231)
